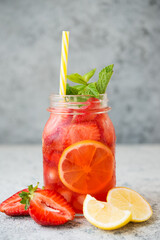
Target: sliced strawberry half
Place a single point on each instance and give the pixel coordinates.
(54, 142)
(87, 112)
(94, 103)
(53, 158)
(66, 193)
(106, 128)
(51, 177)
(47, 207)
(58, 118)
(82, 131)
(12, 206)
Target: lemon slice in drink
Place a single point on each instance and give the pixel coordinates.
(127, 199)
(103, 215)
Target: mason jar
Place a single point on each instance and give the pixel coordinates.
(78, 145)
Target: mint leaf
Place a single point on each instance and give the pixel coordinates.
(75, 77)
(78, 88)
(91, 90)
(88, 75)
(74, 90)
(69, 90)
(104, 77)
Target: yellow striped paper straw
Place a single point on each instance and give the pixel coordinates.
(64, 60)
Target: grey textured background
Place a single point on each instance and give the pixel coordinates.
(126, 33)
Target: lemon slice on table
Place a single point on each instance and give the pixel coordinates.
(103, 215)
(128, 199)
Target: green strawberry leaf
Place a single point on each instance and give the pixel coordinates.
(26, 196)
(23, 201)
(104, 78)
(27, 203)
(88, 75)
(30, 188)
(75, 77)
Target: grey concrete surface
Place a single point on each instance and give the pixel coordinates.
(137, 168)
(126, 33)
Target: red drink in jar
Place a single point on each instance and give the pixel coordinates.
(78, 146)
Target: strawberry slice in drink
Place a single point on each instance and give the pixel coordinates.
(58, 118)
(54, 144)
(77, 202)
(66, 193)
(12, 206)
(51, 143)
(53, 158)
(52, 134)
(87, 112)
(51, 175)
(81, 131)
(106, 129)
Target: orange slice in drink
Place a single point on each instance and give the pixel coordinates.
(86, 167)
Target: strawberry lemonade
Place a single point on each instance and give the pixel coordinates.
(78, 145)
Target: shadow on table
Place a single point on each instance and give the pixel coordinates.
(81, 222)
(133, 227)
(129, 228)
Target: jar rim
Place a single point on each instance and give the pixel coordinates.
(75, 101)
(58, 95)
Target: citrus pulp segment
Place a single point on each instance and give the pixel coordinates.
(128, 199)
(103, 215)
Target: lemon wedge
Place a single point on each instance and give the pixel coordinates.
(103, 215)
(127, 199)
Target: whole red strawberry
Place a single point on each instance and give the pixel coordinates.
(46, 207)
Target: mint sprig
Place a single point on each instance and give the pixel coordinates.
(90, 89)
(93, 88)
(88, 75)
(104, 78)
(27, 196)
(74, 90)
(77, 78)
